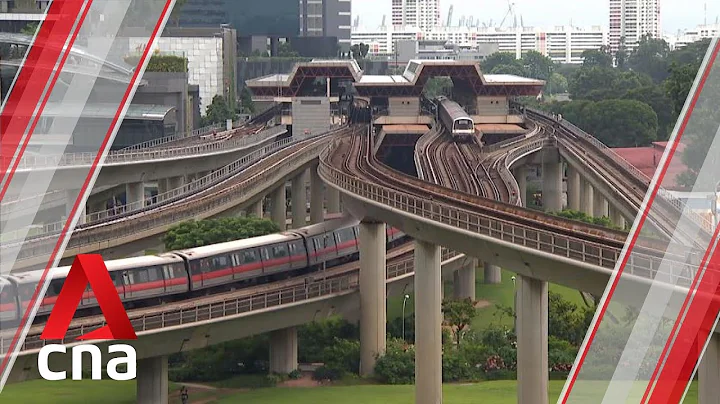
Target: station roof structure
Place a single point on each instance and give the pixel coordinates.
(142, 112)
(465, 74)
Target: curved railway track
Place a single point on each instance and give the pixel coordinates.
(353, 155)
(666, 214)
(193, 206)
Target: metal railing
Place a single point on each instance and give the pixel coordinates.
(228, 306)
(511, 141)
(198, 208)
(170, 196)
(173, 138)
(482, 224)
(120, 157)
(625, 165)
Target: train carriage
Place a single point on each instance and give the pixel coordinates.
(9, 309)
(241, 260)
(134, 278)
(330, 241)
(455, 120)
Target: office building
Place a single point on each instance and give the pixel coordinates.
(630, 20)
(422, 14)
(328, 18)
(683, 39)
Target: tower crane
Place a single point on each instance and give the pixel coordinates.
(450, 15)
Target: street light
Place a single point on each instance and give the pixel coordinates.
(515, 302)
(403, 316)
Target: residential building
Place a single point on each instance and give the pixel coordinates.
(630, 20)
(563, 44)
(423, 14)
(687, 37)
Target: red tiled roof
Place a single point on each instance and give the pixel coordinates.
(646, 159)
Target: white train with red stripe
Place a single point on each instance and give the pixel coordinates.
(178, 275)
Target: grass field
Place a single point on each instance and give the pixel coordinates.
(111, 392)
(500, 294)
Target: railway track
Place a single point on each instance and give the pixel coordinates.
(185, 208)
(354, 156)
(665, 215)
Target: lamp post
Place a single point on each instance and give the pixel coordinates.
(515, 303)
(403, 315)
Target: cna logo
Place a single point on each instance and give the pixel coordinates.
(90, 269)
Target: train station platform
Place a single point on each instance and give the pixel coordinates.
(404, 129)
(500, 129)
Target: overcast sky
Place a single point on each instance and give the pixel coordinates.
(675, 14)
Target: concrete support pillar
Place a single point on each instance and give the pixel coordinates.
(299, 200)
(532, 341)
(709, 373)
(134, 193)
(428, 335)
(573, 188)
(521, 177)
(600, 205)
(464, 281)
(283, 351)
(588, 198)
(256, 209)
(616, 217)
(552, 185)
(493, 274)
(278, 212)
(152, 380)
(317, 198)
(333, 199)
(190, 178)
(372, 294)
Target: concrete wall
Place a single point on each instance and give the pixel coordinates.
(492, 106)
(404, 106)
(167, 89)
(310, 113)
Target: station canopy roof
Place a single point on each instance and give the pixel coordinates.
(410, 83)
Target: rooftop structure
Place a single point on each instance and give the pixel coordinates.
(464, 73)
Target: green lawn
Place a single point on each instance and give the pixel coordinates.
(500, 294)
(498, 392)
(111, 392)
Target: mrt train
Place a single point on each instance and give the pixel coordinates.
(179, 275)
(455, 120)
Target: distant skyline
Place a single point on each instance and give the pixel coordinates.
(675, 14)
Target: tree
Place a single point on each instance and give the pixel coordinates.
(556, 84)
(656, 97)
(218, 111)
(497, 59)
(514, 69)
(459, 314)
(360, 50)
(621, 54)
(679, 83)
(651, 58)
(623, 123)
(285, 50)
(193, 233)
(537, 65)
(246, 102)
(597, 58)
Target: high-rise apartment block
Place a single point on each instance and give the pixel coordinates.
(423, 14)
(630, 20)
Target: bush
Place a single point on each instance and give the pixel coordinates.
(397, 365)
(272, 380)
(501, 375)
(295, 374)
(343, 355)
(315, 337)
(456, 368)
(325, 373)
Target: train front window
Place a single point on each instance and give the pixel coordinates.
(463, 124)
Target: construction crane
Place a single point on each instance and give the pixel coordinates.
(383, 20)
(450, 13)
(510, 11)
(357, 22)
